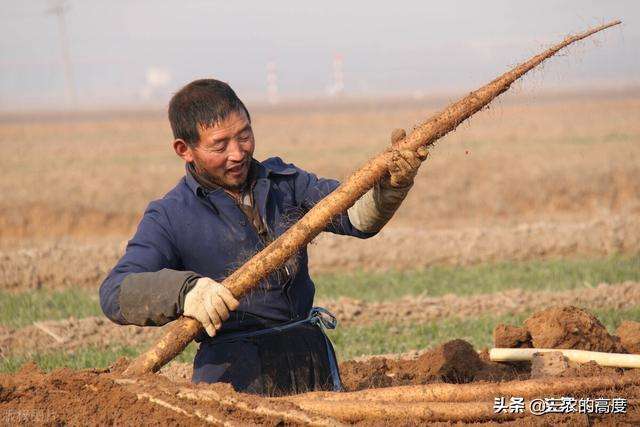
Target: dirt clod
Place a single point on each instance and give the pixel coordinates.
(178, 372)
(590, 369)
(548, 364)
(510, 336)
(629, 334)
(452, 362)
(373, 373)
(570, 327)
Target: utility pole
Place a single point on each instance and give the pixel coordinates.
(59, 9)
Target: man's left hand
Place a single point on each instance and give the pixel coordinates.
(404, 163)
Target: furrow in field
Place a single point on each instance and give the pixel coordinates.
(420, 309)
(66, 263)
(418, 247)
(72, 334)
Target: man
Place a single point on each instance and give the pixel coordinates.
(227, 207)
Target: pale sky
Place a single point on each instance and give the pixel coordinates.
(387, 48)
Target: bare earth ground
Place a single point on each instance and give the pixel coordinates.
(104, 397)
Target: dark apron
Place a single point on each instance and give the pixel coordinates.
(289, 358)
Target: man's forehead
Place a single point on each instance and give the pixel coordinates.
(233, 122)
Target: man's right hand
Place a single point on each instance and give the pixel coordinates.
(209, 302)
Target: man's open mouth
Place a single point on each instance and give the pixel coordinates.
(237, 169)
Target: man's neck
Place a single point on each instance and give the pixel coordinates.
(210, 185)
(235, 194)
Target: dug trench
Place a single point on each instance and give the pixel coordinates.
(450, 383)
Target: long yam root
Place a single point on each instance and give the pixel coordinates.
(474, 392)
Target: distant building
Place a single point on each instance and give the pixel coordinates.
(272, 83)
(336, 88)
(157, 81)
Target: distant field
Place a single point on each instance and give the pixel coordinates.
(521, 161)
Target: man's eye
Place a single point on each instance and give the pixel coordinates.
(218, 147)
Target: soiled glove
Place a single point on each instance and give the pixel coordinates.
(209, 302)
(376, 207)
(404, 163)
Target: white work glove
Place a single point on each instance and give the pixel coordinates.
(376, 207)
(209, 302)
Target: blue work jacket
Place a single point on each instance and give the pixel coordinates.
(206, 232)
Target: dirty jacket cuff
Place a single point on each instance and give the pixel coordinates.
(155, 298)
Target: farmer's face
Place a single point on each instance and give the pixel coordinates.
(224, 151)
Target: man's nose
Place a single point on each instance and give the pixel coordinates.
(236, 153)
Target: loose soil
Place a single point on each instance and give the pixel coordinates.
(570, 327)
(93, 397)
(629, 333)
(452, 362)
(565, 327)
(510, 336)
(99, 397)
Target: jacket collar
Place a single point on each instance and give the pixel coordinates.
(261, 172)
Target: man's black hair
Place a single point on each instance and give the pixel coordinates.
(201, 103)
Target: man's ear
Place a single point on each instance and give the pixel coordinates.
(183, 150)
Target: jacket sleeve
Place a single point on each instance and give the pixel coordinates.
(146, 287)
(310, 190)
